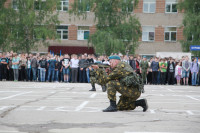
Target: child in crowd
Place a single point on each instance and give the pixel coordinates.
(178, 72)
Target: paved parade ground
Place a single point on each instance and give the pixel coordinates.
(29, 107)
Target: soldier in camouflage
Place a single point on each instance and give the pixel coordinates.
(93, 81)
(144, 69)
(124, 80)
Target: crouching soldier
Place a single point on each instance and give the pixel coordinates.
(124, 80)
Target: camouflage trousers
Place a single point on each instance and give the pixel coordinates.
(128, 95)
(144, 76)
(92, 80)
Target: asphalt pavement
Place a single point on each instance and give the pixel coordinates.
(33, 107)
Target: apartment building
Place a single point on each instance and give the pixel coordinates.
(161, 28)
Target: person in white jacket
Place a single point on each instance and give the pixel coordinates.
(178, 72)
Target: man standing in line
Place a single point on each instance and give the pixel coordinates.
(82, 69)
(155, 67)
(194, 71)
(171, 71)
(4, 63)
(144, 69)
(132, 62)
(186, 70)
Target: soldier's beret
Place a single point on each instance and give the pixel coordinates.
(98, 62)
(114, 57)
(144, 57)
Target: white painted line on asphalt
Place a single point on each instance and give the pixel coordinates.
(15, 95)
(190, 112)
(41, 108)
(149, 132)
(170, 90)
(152, 111)
(4, 107)
(9, 91)
(2, 131)
(93, 95)
(60, 109)
(193, 98)
(81, 106)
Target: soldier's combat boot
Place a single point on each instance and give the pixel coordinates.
(103, 88)
(93, 88)
(142, 103)
(112, 107)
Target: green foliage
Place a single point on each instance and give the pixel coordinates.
(191, 24)
(118, 30)
(31, 24)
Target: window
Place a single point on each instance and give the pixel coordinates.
(148, 33)
(39, 5)
(171, 6)
(127, 6)
(170, 34)
(63, 5)
(62, 32)
(149, 6)
(15, 4)
(85, 7)
(83, 33)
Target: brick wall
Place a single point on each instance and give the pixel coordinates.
(160, 6)
(159, 34)
(70, 3)
(7, 3)
(139, 8)
(180, 34)
(92, 29)
(72, 30)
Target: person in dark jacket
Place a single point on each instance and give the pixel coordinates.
(43, 68)
(51, 70)
(155, 67)
(34, 67)
(82, 69)
(57, 69)
(170, 71)
(132, 62)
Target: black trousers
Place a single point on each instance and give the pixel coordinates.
(154, 77)
(4, 71)
(11, 74)
(149, 78)
(23, 73)
(163, 78)
(74, 75)
(170, 78)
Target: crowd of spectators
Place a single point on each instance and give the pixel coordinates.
(72, 68)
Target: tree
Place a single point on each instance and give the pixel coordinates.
(191, 23)
(6, 17)
(34, 24)
(118, 30)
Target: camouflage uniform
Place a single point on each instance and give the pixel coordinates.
(92, 78)
(114, 81)
(144, 66)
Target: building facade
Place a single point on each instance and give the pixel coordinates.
(161, 28)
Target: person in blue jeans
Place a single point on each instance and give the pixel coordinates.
(43, 67)
(65, 67)
(194, 68)
(51, 69)
(28, 69)
(57, 66)
(34, 67)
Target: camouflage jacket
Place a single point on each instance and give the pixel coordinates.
(123, 73)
